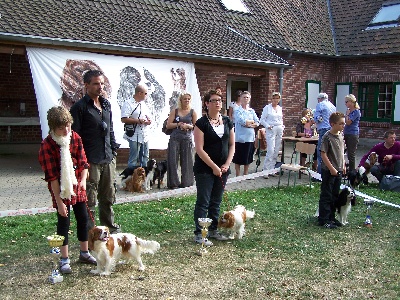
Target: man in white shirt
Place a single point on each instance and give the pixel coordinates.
(137, 117)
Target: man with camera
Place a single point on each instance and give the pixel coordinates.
(136, 118)
(93, 122)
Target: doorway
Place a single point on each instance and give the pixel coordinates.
(235, 84)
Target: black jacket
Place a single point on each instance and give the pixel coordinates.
(95, 129)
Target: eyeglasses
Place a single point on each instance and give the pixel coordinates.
(215, 100)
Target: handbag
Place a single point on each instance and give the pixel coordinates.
(130, 129)
(164, 127)
(390, 183)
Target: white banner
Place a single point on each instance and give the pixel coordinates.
(57, 78)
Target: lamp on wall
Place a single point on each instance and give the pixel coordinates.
(22, 109)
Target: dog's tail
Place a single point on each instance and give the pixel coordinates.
(250, 214)
(147, 246)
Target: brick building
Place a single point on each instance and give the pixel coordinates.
(291, 46)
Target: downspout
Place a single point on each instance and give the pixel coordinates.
(280, 84)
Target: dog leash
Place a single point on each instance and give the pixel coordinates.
(225, 196)
(90, 213)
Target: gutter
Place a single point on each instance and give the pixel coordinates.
(26, 39)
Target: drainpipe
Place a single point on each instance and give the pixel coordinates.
(280, 83)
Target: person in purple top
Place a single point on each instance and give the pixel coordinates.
(388, 157)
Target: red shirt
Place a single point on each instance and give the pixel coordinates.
(50, 160)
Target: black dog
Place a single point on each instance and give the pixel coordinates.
(343, 204)
(159, 172)
(149, 169)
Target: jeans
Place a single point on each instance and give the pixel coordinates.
(138, 154)
(210, 190)
(321, 133)
(330, 189)
(379, 171)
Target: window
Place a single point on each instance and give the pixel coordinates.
(387, 16)
(313, 88)
(236, 5)
(375, 101)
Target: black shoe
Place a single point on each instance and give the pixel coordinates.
(315, 180)
(337, 223)
(115, 228)
(330, 226)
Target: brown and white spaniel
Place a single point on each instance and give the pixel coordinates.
(134, 183)
(109, 248)
(234, 221)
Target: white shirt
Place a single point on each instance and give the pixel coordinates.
(271, 117)
(135, 110)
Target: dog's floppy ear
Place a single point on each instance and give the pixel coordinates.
(91, 237)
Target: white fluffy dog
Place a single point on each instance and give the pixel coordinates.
(234, 221)
(109, 248)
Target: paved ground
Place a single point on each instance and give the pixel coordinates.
(23, 190)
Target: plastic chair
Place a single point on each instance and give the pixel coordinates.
(294, 166)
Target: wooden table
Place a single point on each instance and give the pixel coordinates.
(313, 140)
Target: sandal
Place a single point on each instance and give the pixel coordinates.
(65, 268)
(89, 259)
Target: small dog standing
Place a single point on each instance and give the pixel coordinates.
(345, 201)
(109, 248)
(235, 220)
(135, 182)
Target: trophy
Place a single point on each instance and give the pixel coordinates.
(205, 223)
(368, 221)
(55, 241)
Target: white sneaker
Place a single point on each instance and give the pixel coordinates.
(215, 234)
(199, 239)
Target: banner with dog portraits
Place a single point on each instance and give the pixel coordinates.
(58, 80)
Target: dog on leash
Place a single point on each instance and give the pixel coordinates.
(109, 248)
(234, 221)
(149, 170)
(356, 177)
(159, 173)
(346, 199)
(134, 183)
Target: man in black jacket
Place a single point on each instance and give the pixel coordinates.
(93, 122)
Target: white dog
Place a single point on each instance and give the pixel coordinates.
(234, 221)
(109, 248)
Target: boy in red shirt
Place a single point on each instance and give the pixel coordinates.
(65, 166)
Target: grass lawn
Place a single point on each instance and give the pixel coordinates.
(284, 254)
